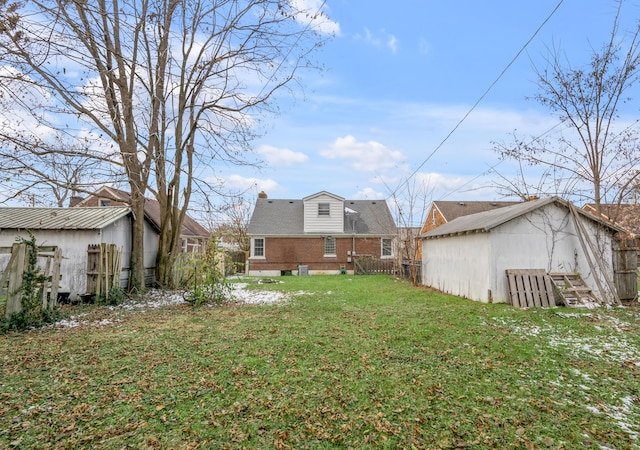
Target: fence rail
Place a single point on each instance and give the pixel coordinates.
(371, 266)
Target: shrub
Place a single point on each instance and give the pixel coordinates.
(206, 283)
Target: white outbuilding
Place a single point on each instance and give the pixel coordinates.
(469, 256)
(76, 231)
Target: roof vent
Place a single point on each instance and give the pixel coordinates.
(269, 201)
(461, 203)
(373, 203)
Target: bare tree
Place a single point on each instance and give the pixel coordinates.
(411, 204)
(594, 149)
(173, 85)
(235, 216)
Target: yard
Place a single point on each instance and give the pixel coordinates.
(325, 362)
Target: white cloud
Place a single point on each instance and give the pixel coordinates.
(364, 156)
(382, 39)
(281, 156)
(245, 183)
(310, 13)
(392, 43)
(368, 194)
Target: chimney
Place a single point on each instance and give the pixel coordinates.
(74, 200)
(262, 194)
(532, 198)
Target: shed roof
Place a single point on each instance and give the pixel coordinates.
(451, 210)
(61, 218)
(272, 217)
(485, 221)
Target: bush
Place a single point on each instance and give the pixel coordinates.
(207, 283)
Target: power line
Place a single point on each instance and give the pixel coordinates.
(455, 128)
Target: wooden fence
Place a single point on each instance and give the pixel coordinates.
(373, 266)
(11, 281)
(104, 265)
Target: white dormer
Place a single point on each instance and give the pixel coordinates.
(323, 213)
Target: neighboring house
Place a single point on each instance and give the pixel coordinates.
(442, 212)
(624, 215)
(321, 233)
(193, 235)
(73, 230)
(468, 256)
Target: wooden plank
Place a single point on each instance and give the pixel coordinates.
(55, 278)
(522, 296)
(14, 302)
(548, 283)
(513, 290)
(45, 285)
(535, 293)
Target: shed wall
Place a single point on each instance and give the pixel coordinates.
(458, 265)
(547, 239)
(74, 244)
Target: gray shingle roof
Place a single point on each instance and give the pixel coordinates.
(60, 218)
(451, 210)
(276, 217)
(485, 221)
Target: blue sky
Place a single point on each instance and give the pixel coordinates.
(397, 80)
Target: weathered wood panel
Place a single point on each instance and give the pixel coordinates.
(625, 269)
(530, 288)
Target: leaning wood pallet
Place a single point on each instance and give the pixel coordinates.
(530, 288)
(572, 290)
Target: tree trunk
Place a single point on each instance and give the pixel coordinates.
(136, 271)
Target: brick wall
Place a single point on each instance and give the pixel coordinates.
(288, 253)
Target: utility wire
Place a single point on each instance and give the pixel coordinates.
(455, 128)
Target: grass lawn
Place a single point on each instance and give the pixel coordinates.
(346, 362)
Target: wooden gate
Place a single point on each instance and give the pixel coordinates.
(625, 269)
(104, 265)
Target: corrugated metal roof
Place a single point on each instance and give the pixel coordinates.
(485, 221)
(61, 218)
(274, 217)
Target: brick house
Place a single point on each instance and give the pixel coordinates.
(319, 234)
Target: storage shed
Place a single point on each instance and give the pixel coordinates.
(470, 255)
(75, 231)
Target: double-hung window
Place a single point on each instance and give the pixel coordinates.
(387, 248)
(257, 249)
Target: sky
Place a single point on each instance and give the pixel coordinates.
(395, 99)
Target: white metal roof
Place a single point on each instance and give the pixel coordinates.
(61, 218)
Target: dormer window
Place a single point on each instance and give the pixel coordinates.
(324, 210)
(105, 202)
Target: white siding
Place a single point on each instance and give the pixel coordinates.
(457, 265)
(547, 239)
(73, 243)
(473, 265)
(334, 223)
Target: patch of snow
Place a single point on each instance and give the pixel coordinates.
(242, 295)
